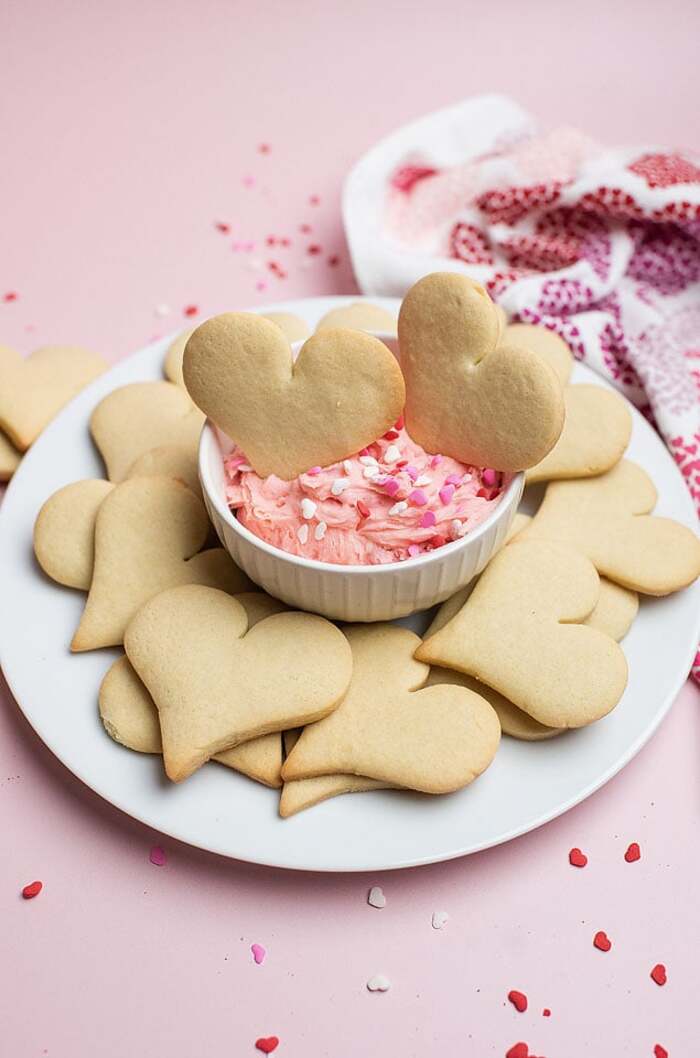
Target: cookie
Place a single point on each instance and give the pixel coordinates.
(467, 396)
(35, 388)
(518, 632)
(148, 535)
(305, 793)
(9, 458)
(136, 418)
(359, 316)
(64, 532)
(170, 461)
(606, 518)
(131, 718)
(435, 740)
(343, 392)
(292, 326)
(191, 645)
(597, 429)
(513, 721)
(547, 344)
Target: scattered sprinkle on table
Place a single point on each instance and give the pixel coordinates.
(577, 858)
(658, 974)
(518, 1050)
(157, 856)
(660, 1052)
(546, 1013)
(518, 999)
(378, 983)
(11, 295)
(32, 890)
(601, 941)
(267, 1044)
(633, 853)
(258, 953)
(375, 897)
(223, 227)
(439, 919)
(190, 310)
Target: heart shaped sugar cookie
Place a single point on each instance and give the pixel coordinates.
(435, 740)
(359, 316)
(169, 461)
(216, 684)
(597, 429)
(35, 388)
(139, 417)
(516, 633)
(343, 392)
(9, 458)
(148, 535)
(64, 532)
(606, 518)
(513, 721)
(131, 718)
(299, 794)
(467, 396)
(546, 343)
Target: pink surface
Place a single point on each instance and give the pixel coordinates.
(129, 130)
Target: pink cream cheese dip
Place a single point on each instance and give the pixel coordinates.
(388, 503)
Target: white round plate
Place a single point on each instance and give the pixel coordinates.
(527, 785)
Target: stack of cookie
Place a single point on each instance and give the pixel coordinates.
(214, 670)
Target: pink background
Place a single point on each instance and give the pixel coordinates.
(128, 130)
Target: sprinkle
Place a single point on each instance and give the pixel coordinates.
(320, 531)
(437, 541)
(489, 477)
(391, 486)
(518, 999)
(633, 853)
(314, 471)
(659, 1051)
(245, 468)
(546, 1013)
(436, 461)
(258, 953)
(368, 461)
(363, 509)
(577, 858)
(32, 890)
(601, 941)
(401, 464)
(428, 520)
(393, 452)
(308, 508)
(466, 478)
(453, 479)
(391, 435)
(347, 466)
(446, 494)
(518, 1050)
(658, 974)
(305, 228)
(424, 479)
(303, 534)
(248, 181)
(339, 486)
(378, 983)
(190, 310)
(267, 1044)
(221, 226)
(375, 897)
(333, 260)
(412, 472)
(398, 425)
(11, 295)
(371, 473)
(157, 856)
(314, 200)
(255, 264)
(314, 249)
(439, 919)
(264, 148)
(261, 285)
(413, 550)
(163, 309)
(456, 527)
(398, 508)
(364, 452)
(418, 498)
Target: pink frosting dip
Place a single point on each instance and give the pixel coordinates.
(390, 502)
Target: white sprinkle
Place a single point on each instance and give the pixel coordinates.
(303, 533)
(439, 919)
(375, 897)
(320, 531)
(456, 527)
(245, 468)
(308, 508)
(392, 453)
(163, 310)
(255, 264)
(424, 479)
(379, 983)
(399, 507)
(347, 466)
(369, 461)
(339, 485)
(371, 473)
(466, 478)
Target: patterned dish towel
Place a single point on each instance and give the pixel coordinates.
(600, 245)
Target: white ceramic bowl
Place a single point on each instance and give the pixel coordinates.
(352, 593)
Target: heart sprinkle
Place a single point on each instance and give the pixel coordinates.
(375, 897)
(190, 310)
(633, 853)
(436, 461)
(399, 507)
(392, 453)
(267, 1044)
(518, 1050)
(363, 509)
(303, 534)
(258, 953)
(658, 974)
(320, 531)
(391, 486)
(157, 856)
(428, 520)
(453, 479)
(314, 471)
(489, 477)
(378, 983)
(439, 919)
(308, 508)
(659, 1051)
(546, 1013)
(601, 941)
(418, 498)
(577, 858)
(32, 890)
(446, 494)
(339, 486)
(518, 999)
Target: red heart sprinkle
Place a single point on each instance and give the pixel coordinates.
(363, 509)
(658, 974)
(398, 425)
(267, 1044)
(518, 1050)
(32, 890)
(391, 435)
(632, 853)
(546, 1013)
(190, 310)
(577, 858)
(10, 296)
(223, 227)
(660, 1052)
(314, 249)
(518, 999)
(601, 941)
(333, 260)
